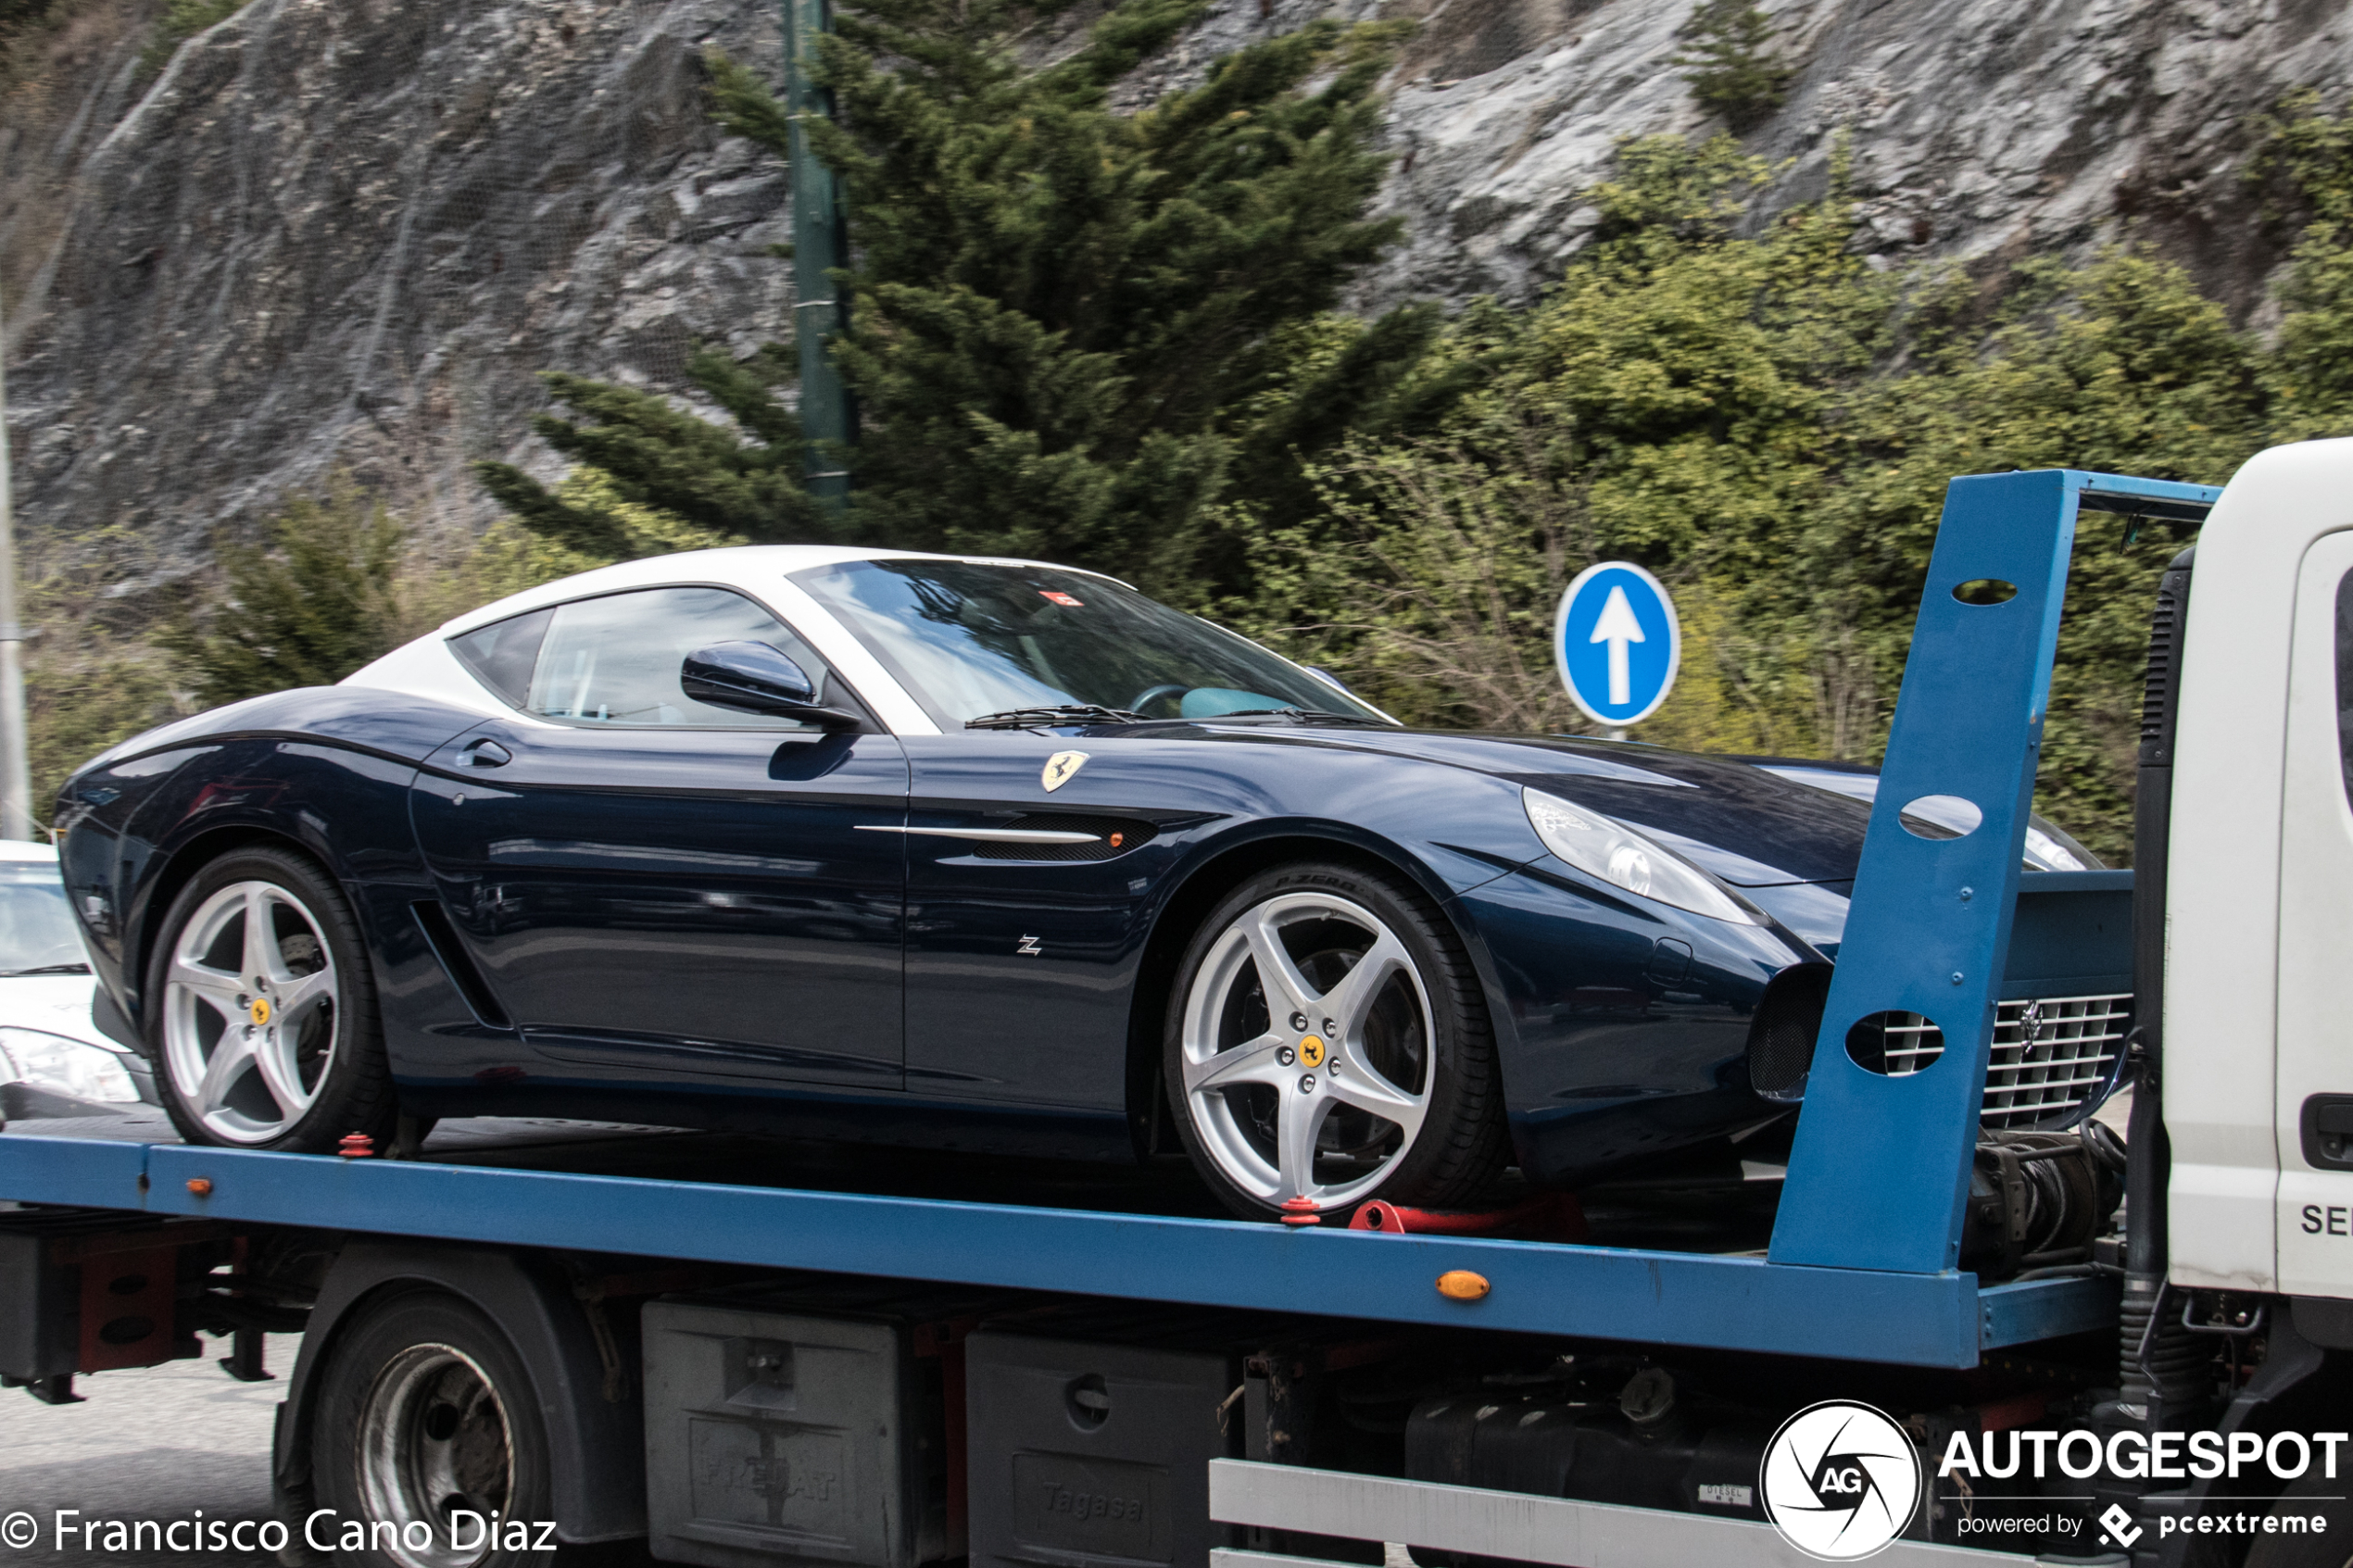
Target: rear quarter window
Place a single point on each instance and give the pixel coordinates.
(503, 654)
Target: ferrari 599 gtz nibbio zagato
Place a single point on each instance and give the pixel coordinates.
(973, 853)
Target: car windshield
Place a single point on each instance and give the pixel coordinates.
(972, 638)
(37, 933)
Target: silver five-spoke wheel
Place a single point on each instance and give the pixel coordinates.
(249, 1021)
(433, 1444)
(1307, 1051)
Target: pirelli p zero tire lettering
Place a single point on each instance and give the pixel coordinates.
(1327, 1039)
(428, 1437)
(261, 1009)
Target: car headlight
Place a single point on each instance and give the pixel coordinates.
(1619, 856)
(71, 1067)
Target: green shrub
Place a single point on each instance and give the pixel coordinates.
(1731, 66)
(320, 599)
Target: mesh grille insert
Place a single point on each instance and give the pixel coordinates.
(2051, 1054)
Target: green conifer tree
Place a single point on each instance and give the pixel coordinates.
(319, 601)
(1731, 66)
(1075, 332)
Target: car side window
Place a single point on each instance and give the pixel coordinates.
(2345, 678)
(501, 655)
(614, 659)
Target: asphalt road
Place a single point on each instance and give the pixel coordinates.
(160, 1443)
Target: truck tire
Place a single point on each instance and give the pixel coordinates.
(2314, 1495)
(261, 1010)
(1296, 1073)
(426, 1424)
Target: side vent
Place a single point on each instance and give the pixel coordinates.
(1781, 1037)
(457, 963)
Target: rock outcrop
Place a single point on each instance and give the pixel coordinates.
(346, 232)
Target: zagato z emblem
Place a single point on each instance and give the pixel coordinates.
(1061, 768)
(1029, 947)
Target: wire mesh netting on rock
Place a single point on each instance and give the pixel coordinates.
(347, 234)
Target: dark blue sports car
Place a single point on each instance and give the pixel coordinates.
(978, 854)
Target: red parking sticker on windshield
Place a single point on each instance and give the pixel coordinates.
(1062, 598)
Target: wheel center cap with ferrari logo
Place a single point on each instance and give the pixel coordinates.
(1311, 1050)
(260, 1010)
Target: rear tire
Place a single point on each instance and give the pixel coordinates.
(261, 1010)
(424, 1410)
(2314, 1495)
(1294, 1072)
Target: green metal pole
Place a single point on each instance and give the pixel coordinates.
(820, 246)
(17, 820)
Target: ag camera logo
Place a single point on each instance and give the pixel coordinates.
(1840, 1481)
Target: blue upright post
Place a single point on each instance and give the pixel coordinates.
(1881, 1168)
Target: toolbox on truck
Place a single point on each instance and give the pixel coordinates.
(818, 1427)
(1090, 1439)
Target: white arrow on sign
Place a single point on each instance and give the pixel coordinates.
(1617, 627)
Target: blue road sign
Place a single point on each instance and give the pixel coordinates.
(1618, 643)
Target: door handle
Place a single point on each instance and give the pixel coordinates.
(484, 754)
(2325, 1129)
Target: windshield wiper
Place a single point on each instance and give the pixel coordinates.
(1302, 713)
(46, 969)
(1068, 713)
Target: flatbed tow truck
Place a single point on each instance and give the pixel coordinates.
(724, 1352)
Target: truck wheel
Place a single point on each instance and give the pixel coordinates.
(427, 1436)
(2314, 1497)
(1329, 1040)
(261, 1010)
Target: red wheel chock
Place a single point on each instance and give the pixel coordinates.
(1552, 1216)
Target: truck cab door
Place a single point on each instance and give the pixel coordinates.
(2314, 1085)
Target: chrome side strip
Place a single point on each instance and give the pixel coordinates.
(993, 835)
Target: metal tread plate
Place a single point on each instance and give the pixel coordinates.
(1515, 1526)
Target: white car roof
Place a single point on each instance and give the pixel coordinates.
(427, 668)
(754, 568)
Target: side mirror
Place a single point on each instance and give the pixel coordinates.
(756, 678)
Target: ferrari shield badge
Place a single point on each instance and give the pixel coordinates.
(1061, 768)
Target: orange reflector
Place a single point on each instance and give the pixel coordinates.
(200, 1186)
(1461, 1285)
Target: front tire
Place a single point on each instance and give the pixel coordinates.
(261, 1010)
(1328, 1039)
(426, 1415)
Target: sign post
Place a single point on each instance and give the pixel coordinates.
(1617, 642)
(820, 248)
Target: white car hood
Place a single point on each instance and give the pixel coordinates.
(55, 1004)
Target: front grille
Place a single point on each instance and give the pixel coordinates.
(2051, 1054)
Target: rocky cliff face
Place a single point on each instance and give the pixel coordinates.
(1977, 127)
(348, 232)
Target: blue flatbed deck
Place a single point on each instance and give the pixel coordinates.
(1863, 1238)
(1653, 1296)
